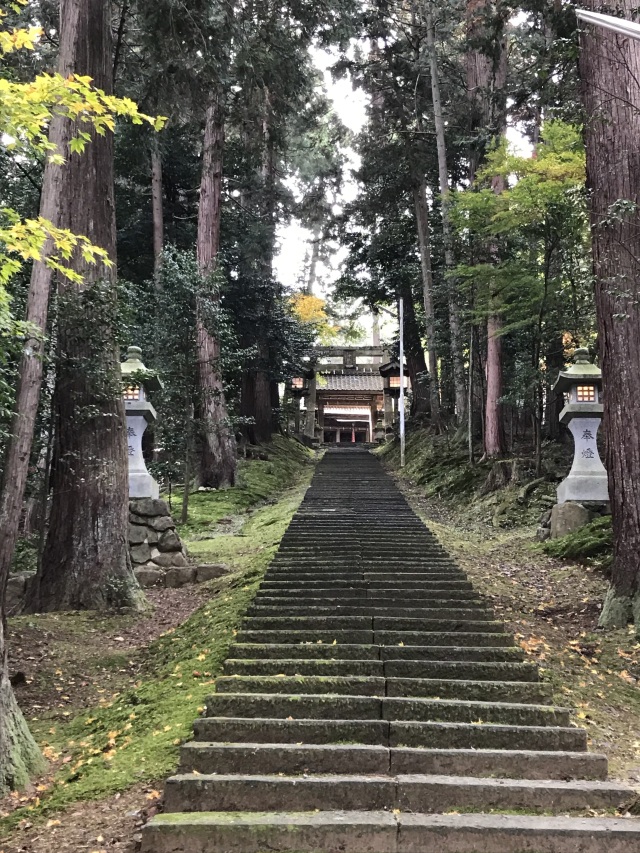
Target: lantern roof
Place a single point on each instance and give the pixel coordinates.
(134, 365)
(391, 368)
(581, 371)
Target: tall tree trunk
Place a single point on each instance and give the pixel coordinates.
(315, 257)
(218, 454)
(414, 354)
(494, 437)
(86, 562)
(447, 231)
(610, 71)
(424, 243)
(19, 755)
(486, 86)
(157, 208)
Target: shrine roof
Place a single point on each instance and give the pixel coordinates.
(352, 382)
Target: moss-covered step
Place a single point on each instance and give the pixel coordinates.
(290, 759)
(353, 637)
(188, 792)
(414, 580)
(300, 706)
(408, 611)
(290, 730)
(482, 691)
(321, 666)
(486, 735)
(445, 793)
(346, 685)
(461, 711)
(471, 833)
(452, 652)
(462, 637)
(382, 832)
(499, 763)
(310, 650)
(360, 832)
(462, 669)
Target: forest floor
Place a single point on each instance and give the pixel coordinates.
(550, 604)
(110, 698)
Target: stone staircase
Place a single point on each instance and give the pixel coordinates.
(372, 704)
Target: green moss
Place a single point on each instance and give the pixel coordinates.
(258, 481)
(593, 540)
(135, 735)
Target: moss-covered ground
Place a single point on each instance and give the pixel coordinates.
(551, 601)
(132, 734)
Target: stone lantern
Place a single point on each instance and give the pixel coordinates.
(582, 414)
(139, 413)
(390, 372)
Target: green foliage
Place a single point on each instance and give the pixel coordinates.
(593, 540)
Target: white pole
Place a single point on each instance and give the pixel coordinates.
(401, 312)
(608, 22)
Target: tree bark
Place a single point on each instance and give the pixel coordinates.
(610, 71)
(315, 257)
(424, 243)
(218, 456)
(414, 354)
(447, 231)
(157, 208)
(486, 87)
(86, 562)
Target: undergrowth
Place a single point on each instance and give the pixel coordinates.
(134, 736)
(593, 540)
(439, 466)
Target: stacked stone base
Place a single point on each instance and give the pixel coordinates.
(157, 553)
(566, 517)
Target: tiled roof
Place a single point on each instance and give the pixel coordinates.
(352, 382)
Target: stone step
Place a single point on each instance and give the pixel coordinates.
(466, 670)
(459, 735)
(441, 735)
(383, 832)
(321, 666)
(451, 653)
(459, 612)
(528, 692)
(461, 637)
(381, 638)
(307, 651)
(189, 792)
(427, 618)
(363, 594)
(411, 654)
(330, 637)
(303, 684)
(481, 691)
(499, 763)
(292, 731)
(290, 759)
(475, 670)
(310, 706)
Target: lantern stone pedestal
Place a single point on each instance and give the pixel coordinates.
(157, 554)
(584, 493)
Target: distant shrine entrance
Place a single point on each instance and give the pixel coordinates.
(349, 395)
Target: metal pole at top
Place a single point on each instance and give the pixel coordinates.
(401, 400)
(608, 22)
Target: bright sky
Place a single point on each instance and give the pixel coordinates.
(350, 105)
